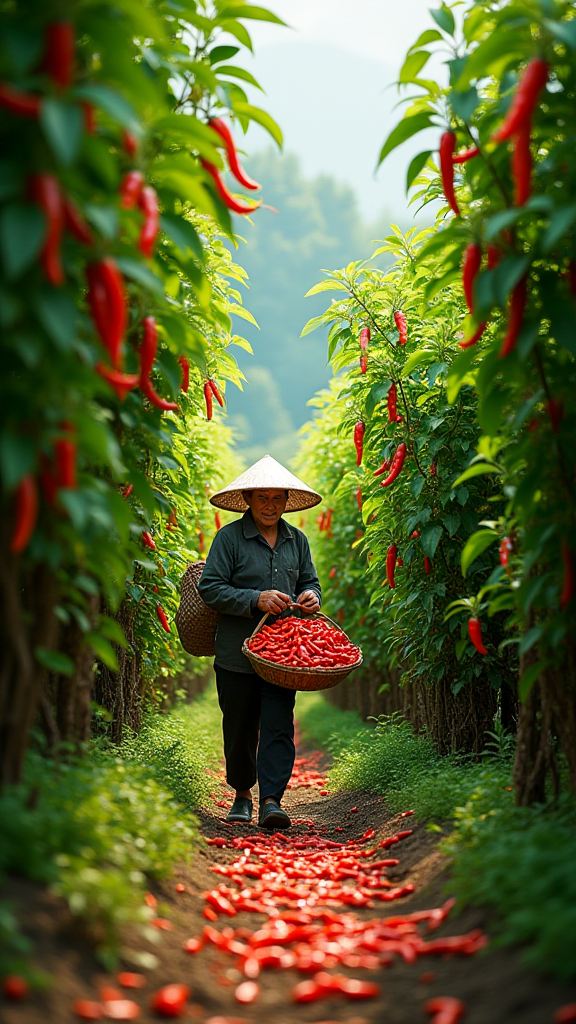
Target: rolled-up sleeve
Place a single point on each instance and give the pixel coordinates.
(215, 588)
(307, 578)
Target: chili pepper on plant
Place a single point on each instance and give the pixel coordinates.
(525, 99)
(121, 383)
(127, 490)
(359, 431)
(74, 223)
(364, 338)
(59, 57)
(359, 498)
(475, 337)
(393, 416)
(515, 318)
(465, 155)
(391, 557)
(217, 521)
(26, 513)
(433, 468)
(567, 594)
(522, 167)
(447, 146)
(107, 304)
(475, 633)
(185, 367)
(383, 468)
(148, 203)
(427, 565)
(363, 364)
(226, 196)
(22, 104)
(130, 189)
(218, 125)
(494, 254)
(472, 264)
(130, 143)
(45, 192)
(148, 541)
(148, 348)
(505, 549)
(162, 618)
(208, 399)
(400, 321)
(397, 463)
(65, 450)
(214, 389)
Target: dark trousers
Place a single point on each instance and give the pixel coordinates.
(258, 727)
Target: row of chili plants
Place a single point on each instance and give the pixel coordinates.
(117, 295)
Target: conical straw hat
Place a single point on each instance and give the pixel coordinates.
(266, 473)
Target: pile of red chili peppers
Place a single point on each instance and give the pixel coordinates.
(304, 643)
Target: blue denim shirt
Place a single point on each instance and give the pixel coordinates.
(240, 565)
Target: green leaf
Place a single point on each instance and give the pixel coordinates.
(408, 127)
(249, 11)
(477, 469)
(183, 234)
(54, 661)
(222, 53)
(430, 35)
(559, 225)
(56, 312)
(327, 286)
(464, 104)
(376, 394)
(103, 650)
(430, 539)
(476, 544)
(113, 104)
(528, 679)
(458, 372)
(452, 523)
(63, 126)
(245, 76)
(563, 31)
(138, 272)
(22, 228)
(422, 355)
(416, 165)
(17, 457)
(445, 19)
(313, 324)
(262, 118)
(414, 63)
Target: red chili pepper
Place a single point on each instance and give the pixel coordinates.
(522, 166)
(127, 490)
(89, 117)
(415, 534)
(332, 572)
(465, 155)
(185, 367)
(217, 521)
(88, 1009)
(494, 256)
(130, 189)
(147, 355)
(121, 383)
(363, 364)
(162, 618)
(65, 451)
(359, 431)
(397, 463)
(23, 104)
(218, 125)
(364, 338)
(427, 564)
(391, 556)
(359, 498)
(130, 143)
(475, 634)
(393, 416)
(216, 393)
(26, 513)
(45, 191)
(15, 987)
(208, 399)
(447, 146)
(148, 541)
(565, 1014)
(148, 203)
(59, 59)
(400, 562)
(524, 103)
(328, 521)
(170, 1000)
(108, 305)
(472, 264)
(400, 321)
(569, 575)
(475, 337)
(446, 1009)
(383, 468)
(74, 223)
(433, 468)
(226, 196)
(515, 319)
(505, 549)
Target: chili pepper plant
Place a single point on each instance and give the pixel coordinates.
(413, 522)
(116, 301)
(505, 117)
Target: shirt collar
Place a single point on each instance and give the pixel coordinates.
(250, 529)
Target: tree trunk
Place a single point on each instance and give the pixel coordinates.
(120, 693)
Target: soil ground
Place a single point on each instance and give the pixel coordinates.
(495, 986)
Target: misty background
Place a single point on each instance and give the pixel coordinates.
(328, 82)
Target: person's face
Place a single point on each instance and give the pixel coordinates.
(266, 505)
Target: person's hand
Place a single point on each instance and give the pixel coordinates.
(308, 599)
(273, 601)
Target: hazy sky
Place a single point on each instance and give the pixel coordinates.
(328, 82)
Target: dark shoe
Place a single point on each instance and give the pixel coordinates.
(271, 815)
(241, 810)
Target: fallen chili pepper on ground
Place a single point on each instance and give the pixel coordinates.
(445, 1009)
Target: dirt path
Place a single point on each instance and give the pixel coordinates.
(491, 982)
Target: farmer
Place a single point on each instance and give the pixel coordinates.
(257, 564)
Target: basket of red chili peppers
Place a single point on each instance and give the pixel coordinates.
(302, 653)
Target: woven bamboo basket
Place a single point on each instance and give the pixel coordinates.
(293, 677)
(195, 621)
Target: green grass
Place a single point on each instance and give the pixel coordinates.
(519, 861)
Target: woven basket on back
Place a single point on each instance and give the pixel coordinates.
(292, 677)
(195, 621)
